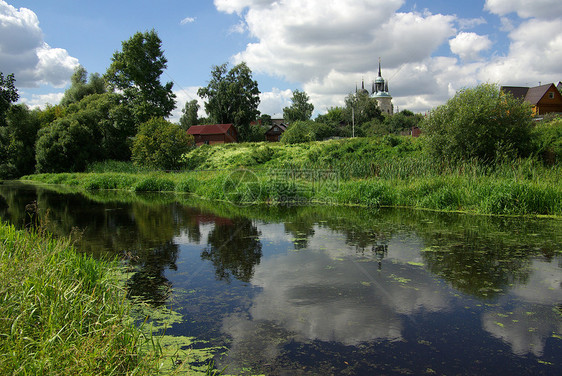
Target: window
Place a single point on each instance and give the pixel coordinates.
(551, 95)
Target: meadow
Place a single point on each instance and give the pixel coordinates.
(384, 171)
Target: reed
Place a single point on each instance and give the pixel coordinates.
(63, 313)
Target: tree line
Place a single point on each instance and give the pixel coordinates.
(121, 114)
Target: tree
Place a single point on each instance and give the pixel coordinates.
(189, 116)
(17, 141)
(305, 131)
(136, 71)
(160, 144)
(300, 108)
(361, 108)
(8, 94)
(336, 121)
(232, 97)
(479, 123)
(81, 87)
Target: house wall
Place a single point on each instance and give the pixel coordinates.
(547, 105)
(212, 139)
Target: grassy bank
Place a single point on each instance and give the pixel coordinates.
(61, 313)
(387, 171)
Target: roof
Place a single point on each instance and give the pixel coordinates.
(532, 95)
(283, 127)
(209, 129)
(535, 94)
(518, 92)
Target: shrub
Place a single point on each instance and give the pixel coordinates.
(479, 123)
(160, 144)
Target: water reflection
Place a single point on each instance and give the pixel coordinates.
(234, 249)
(269, 281)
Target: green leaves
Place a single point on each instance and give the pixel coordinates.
(136, 71)
(160, 144)
(300, 109)
(232, 97)
(479, 123)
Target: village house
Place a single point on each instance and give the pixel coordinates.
(213, 134)
(543, 99)
(275, 132)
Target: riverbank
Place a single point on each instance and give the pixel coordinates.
(62, 312)
(385, 172)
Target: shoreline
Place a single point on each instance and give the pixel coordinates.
(483, 195)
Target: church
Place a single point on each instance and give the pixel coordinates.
(380, 93)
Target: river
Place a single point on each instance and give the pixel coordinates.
(323, 290)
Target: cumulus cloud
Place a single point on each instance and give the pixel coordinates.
(547, 9)
(469, 45)
(41, 100)
(327, 47)
(24, 52)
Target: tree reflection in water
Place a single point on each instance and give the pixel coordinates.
(234, 249)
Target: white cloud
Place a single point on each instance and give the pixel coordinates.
(546, 9)
(469, 23)
(41, 100)
(469, 45)
(273, 102)
(187, 20)
(327, 47)
(24, 52)
(184, 95)
(239, 28)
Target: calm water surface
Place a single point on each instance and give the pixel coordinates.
(330, 291)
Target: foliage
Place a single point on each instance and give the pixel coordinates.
(65, 313)
(17, 142)
(361, 108)
(160, 144)
(480, 123)
(336, 120)
(232, 97)
(8, 94)
(547, 137)
(265, 120)
(80, 87)
(300, 108)
(189, 116)
(98, 127)
(305, 131)
(136, 71)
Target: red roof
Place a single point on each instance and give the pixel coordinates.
(209, 129)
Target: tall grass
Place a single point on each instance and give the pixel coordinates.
(62, 313)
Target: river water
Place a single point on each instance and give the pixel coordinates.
(328, 290)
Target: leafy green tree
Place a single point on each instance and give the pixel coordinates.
(189, 116)
(336, 120)
(479, 123)
(305, 131)
(8, 94)
(98, 127)
(17, 141)
(81, 87)
(160, 144)
(265, 120)
(136, 71)
(361, 108)
(232, 97)
(300, 108)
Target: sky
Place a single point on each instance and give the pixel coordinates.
(429, 49)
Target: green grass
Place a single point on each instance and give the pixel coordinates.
(384, 171)
(62, 313)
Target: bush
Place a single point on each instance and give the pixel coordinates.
(548, 140)
(160, 144)
(479, 123)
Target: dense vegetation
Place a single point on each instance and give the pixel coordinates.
(63, 313)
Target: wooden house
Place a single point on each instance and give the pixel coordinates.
(274, 133)
(213, 134)
(544, 99)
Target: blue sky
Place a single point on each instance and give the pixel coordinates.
(429, 48)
